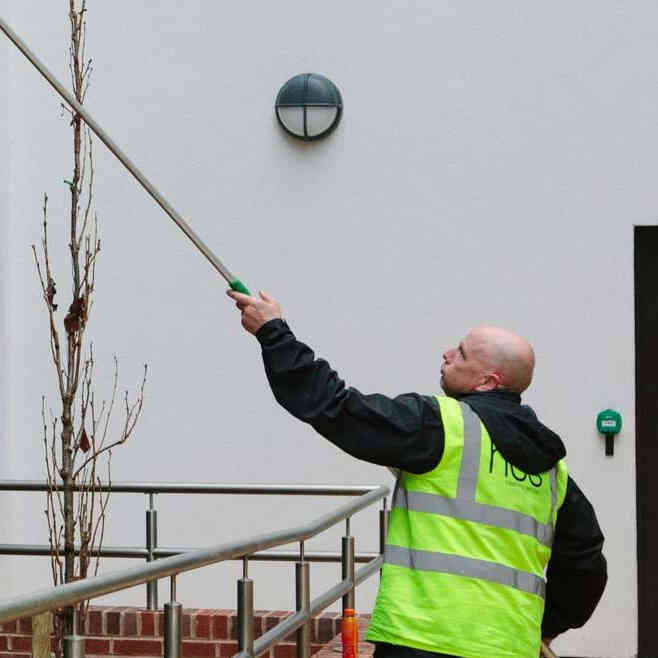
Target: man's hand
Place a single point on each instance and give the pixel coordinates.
(256, 311)
(546, 641)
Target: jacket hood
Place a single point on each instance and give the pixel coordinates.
(518, 435)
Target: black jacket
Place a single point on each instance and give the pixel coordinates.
(406, 432)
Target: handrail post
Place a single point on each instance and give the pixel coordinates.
(246, 611)
(384, 518)
(173, 619)
(74, 644)
(151, 545)
(347, 566)
(303, 602)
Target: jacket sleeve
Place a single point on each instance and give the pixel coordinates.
(404, 432)
(577, 571)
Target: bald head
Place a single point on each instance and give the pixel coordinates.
(505, 353)
(486, 359)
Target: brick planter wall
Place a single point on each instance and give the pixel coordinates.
(123, 631)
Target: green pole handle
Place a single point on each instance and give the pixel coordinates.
(238, 286)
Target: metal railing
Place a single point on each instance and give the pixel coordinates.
(151, 551)
(67, 595)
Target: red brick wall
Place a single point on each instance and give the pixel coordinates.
(114, 631)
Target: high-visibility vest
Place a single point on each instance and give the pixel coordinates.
(467, 549)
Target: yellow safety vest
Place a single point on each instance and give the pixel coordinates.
(467, 549)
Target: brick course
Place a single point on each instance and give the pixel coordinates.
(219, 626)
(20, 644)
(95, 622)
(137, 647)
(199, 649)
(129, 623)
(125, 631)
(96, 647)
(25, 626)
(113, 622)
(227, 649)
(201, 626)
(148, 624)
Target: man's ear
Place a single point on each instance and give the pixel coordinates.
(490, 382)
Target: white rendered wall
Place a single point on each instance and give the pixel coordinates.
(491, 163)
(6, 507)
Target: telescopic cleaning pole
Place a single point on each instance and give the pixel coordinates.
(233, 282)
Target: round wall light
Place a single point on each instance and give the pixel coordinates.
(309, 106)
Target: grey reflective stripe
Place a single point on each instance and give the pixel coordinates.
(464, 566)
(553, 482)
(464, 505)
(466, 510)
(470, 466)
(398, 487)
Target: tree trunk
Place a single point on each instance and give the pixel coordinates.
(69, 511)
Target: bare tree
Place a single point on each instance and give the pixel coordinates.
(79, 440)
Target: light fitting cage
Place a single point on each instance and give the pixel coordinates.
(309, 106)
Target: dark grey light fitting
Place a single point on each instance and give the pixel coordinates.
(309, 106)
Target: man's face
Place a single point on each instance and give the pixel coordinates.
(462, 370)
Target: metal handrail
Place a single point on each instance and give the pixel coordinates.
(185, 559)
(43, 550)
(152, 551)
(71, 593)
(201, 488)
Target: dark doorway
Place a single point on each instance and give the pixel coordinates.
(646, 419)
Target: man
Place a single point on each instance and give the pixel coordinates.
(483, 506)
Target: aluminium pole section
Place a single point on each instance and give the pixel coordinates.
(235, 283)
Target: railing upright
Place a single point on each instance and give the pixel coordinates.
(383, 527)
(173, 620)
(74, 646)
(151, 545)
(384, 518)
(347, 565)
(246, 611)
(303, 603)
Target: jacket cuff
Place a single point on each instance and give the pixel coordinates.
(272, 331)
(552, 625)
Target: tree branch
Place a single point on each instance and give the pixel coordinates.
(133, 412)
